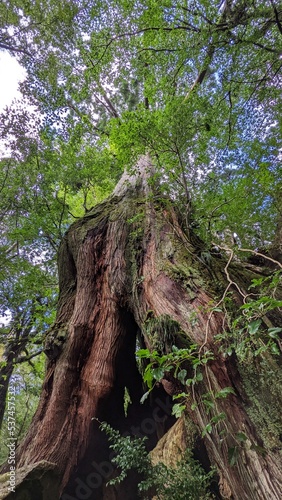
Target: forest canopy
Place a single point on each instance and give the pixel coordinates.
(197, 85)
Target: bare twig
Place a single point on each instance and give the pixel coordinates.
(23, 359)
(230, 283)
(276, 16)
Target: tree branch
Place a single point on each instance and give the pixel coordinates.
(13, 49)
(81, 115)
(225, 24)
(276, 13)
(201, 76)
(254, 252)
(23, 359)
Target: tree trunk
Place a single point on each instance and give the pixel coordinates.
(125, 262)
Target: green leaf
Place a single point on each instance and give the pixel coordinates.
(180, 395)
(168, 368)
(273, 332)
(144, 397)
(241, 437)
(178, 409)
(261, 349)
(182, 376)
(158, 373)
(254, 326)
(275, 349)
(207, 429)
(256, 283)
(190, 381)
(143, 353)
(223, 393)
(218, 418)
(209, 404)
(148, 376)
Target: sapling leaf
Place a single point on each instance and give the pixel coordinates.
(241, 437)
(182, 376)
(144, 397)
(223, 393)
(207, 429)
(218, 418)
(157, 373)
(180, 395)
(178, 409)
(254, 326)
(273, 332)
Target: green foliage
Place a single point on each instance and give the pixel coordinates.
(163, 365)
(186, 481)
(160, 365)
(185, 366)
(252, 331)
(27, 381)
(113, 80)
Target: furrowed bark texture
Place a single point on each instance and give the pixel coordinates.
(126, 262)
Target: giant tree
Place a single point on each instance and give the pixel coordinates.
(185, 98)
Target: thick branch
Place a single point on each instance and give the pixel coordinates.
(226, 23)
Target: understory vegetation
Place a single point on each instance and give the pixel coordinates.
(186, 481)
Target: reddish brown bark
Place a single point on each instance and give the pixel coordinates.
(115, 271)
